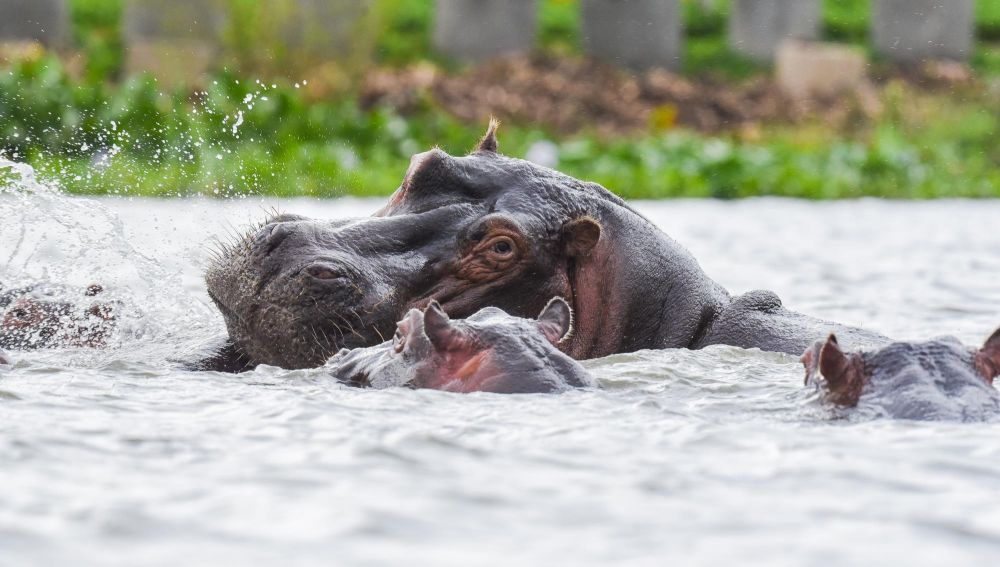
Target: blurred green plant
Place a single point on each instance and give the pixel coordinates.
(97, 31)
(238, 137)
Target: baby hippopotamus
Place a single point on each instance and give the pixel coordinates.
(49, 315)
(940, 379)
(490, 351)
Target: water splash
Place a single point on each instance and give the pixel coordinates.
(48, 237)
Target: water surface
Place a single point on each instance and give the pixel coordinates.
(710, 457)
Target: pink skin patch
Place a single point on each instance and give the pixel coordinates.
(471, 376)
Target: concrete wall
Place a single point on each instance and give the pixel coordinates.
(758, 27)
(914, 30)
(472, 30)
(45, 21)
(639, 34)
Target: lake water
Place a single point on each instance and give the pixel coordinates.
(712, 457)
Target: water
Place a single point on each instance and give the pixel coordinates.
(115, 457)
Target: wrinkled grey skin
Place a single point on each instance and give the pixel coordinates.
(296, 290)
(511, 355)
(931, 380)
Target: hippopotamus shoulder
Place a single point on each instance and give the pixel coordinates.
(761, 300)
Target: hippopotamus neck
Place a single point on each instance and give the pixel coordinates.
(617, 308)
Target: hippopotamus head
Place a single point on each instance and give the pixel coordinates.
(46, 316)
(490, 351)
(469, 232)
(936, 379)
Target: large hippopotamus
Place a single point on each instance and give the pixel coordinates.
(490, 351)
(940, 379)
(476, 231)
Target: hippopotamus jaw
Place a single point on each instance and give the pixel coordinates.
(289, 304)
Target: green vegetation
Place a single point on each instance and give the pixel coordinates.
(94, 134)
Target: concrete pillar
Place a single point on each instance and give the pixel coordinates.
(809, 69)
(639, 34)
(473, 30)
(44, 21)
(915, 30)
(757, 27)
(178, 41)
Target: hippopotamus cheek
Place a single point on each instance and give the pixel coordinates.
(460, 373)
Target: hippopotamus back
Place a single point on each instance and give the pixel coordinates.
(490, 351)
(939, 379)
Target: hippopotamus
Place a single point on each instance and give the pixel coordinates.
(490, 351)
(477, 231)
(51, 315)
(929, 380)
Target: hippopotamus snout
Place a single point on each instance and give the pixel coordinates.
(296, 290)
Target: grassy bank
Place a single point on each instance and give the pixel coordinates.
(98, 135)
(240, 138)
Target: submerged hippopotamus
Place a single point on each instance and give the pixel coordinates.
(937, 379)
(49, 315)
(477, 231)
(490, 351)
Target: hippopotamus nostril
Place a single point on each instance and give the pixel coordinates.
(270, 237)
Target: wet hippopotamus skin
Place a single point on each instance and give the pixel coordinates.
(51, 316)
(489, 351)
(477, 231)
(940, 379)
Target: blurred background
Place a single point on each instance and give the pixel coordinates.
(652, 98)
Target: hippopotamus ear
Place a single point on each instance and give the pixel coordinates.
(988, 358)
(556, 320)
(843, 373)
(443, 334)
(488, 143)
(580, 236)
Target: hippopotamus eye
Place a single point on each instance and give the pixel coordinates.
(322, 273)
(503, 246)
